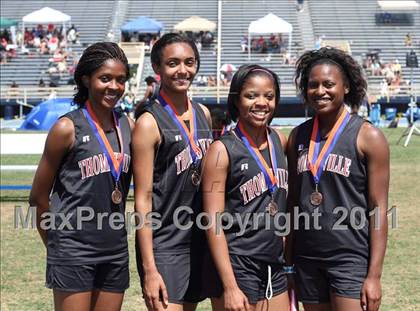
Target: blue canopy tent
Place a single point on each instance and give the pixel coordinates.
(43, 116)
(143, 24)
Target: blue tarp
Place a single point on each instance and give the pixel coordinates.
(43, 116)
(143, 24)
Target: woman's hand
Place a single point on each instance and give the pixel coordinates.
(235, 300)
(154, 288)
(371, 294)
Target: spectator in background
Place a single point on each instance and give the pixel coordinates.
(207, 39)
(41, 83)
(244, 44)
(50, 28)
(19, 37)
(201, 80)
(299, 5)
(3, 58)
(53, 75)
(384, 89)
(53, 44)
(152, 42)
(151, 92)
(3, 42)
(396, 67)
(73, 35)
(260, 44)
(43, 47)
(127, 104)
(408, 41)
(219, 122)
(28, 38)
(211, 81)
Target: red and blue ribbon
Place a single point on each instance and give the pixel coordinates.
(269, 173)
(114, 163)
(189, 135)
(315, 157)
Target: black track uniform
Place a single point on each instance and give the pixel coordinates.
(176, 199)
(260, 246)
(333, 258)
(84, 181)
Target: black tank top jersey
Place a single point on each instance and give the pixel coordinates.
(247, 195)
(173, 192)
(343, 184)
(84, 180)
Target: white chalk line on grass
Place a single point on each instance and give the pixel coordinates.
(18, 167)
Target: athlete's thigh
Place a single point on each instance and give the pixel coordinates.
(189, 306)
(277, 303)
(169, 307)
(217, 304)
(69, 301)
(317, 307)
(106, 301)
(339, 303)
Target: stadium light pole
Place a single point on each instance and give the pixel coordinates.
(219, 48)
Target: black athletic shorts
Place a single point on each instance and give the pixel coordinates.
(184, 276)
(315, 280)
(252, 276)
(110, 277)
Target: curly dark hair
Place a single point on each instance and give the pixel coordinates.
(92, 59)
(351, 70)
(240, 77)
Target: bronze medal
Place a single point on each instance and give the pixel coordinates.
(195, 178)
(316, 198)
(272, 208)
(116, 196)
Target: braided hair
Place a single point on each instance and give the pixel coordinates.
(92, 59)
(350, 69)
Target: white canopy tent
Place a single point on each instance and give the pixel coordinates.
(398, 5)
(45, 16)
(269, 24)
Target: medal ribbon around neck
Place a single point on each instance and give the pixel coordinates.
(317, 159)
(269, 174)
(114, 164)
(189, 135)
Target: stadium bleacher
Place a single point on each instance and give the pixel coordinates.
(91, 18)
(352, 21)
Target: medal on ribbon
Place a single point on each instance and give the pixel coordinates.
(317, 158)
(114, 163)
(189, 135)
(269, 173)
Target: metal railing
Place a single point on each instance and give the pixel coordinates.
(23, 94)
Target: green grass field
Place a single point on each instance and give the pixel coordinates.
(23, 255)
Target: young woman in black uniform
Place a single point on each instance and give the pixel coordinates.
(170, 138)
(338, 167)
(245, 175)
(86, 164)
